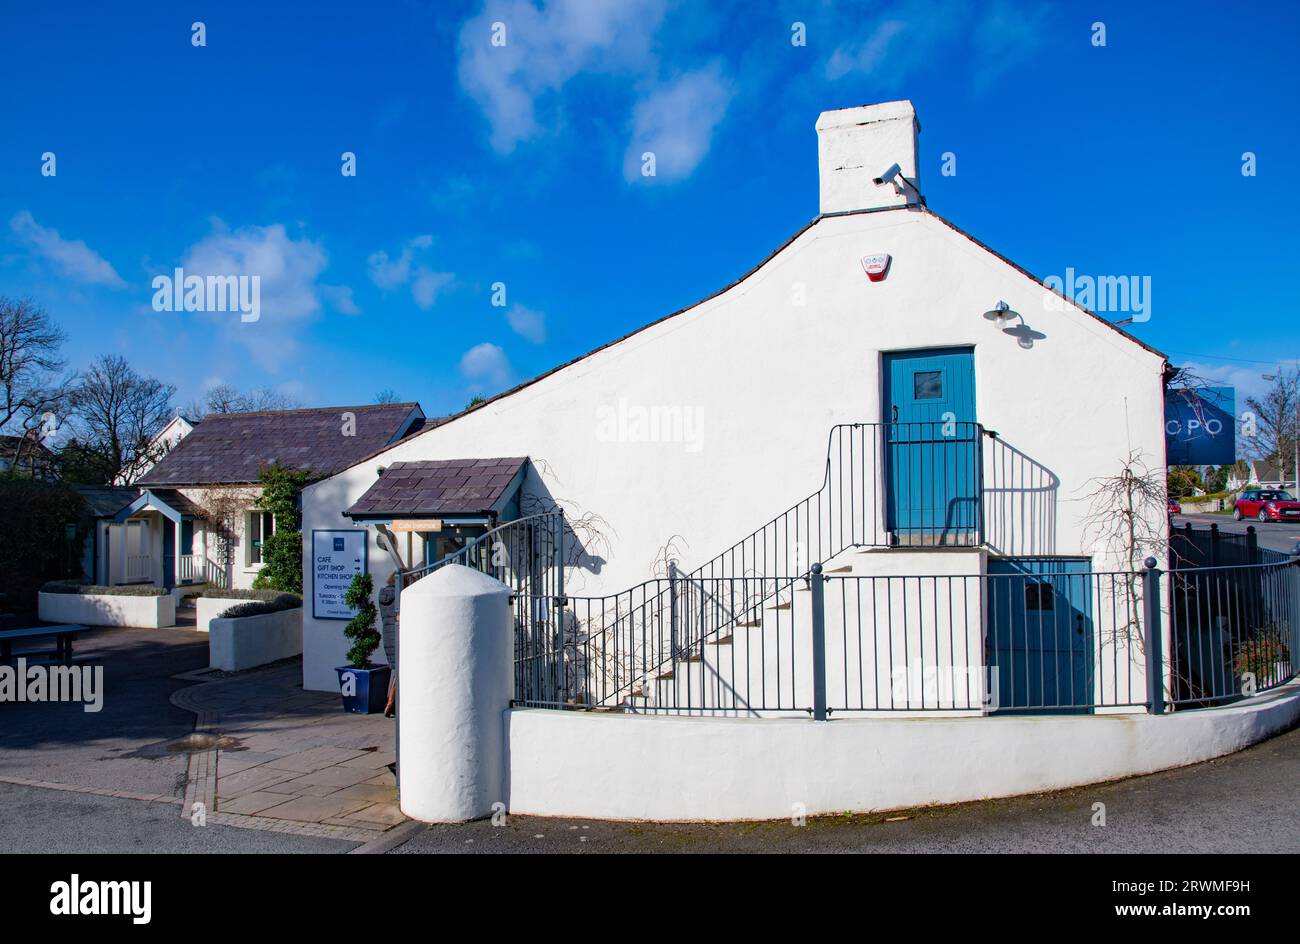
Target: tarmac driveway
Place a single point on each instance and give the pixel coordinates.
(124, 746)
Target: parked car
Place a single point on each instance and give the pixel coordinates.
(1266, 505)
(1175, 508)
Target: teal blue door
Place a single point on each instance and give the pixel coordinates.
(169, 554)
(1039, 634)
(933, 466)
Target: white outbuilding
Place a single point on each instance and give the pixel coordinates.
(883, 394)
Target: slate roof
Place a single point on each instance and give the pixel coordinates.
(231, 448)
(438, 487)
(107, 500)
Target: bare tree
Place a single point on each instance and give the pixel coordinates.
(117, 412)
(1277, 421)
(225, 398)
(33, 389)
(387, 395)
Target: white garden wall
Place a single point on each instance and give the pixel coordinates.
(108, 609)
(615, 766)
(248, 641)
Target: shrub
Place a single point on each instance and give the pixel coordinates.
(216, 593)
(86, 589)
(34, 544)
(277, 604)
(361, 630)
(282, 551)
(281, 562)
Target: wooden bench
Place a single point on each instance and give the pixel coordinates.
(63, 634)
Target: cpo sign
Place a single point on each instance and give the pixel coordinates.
(1200, 426)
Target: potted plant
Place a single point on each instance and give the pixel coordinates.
(364, 686)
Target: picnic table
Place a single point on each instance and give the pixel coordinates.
(63, 633)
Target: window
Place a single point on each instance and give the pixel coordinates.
(927, 385)
(258, 526)
(1038, 595)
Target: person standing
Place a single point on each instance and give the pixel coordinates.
(388, 617)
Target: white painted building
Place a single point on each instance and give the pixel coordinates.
(854, 367)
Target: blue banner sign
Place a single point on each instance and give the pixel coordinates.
(1201, 426)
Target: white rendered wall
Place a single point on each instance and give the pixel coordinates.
(615, 766)
(456, 676)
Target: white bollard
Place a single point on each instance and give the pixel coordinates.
(455, 681)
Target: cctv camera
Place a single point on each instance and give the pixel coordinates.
(889, 175)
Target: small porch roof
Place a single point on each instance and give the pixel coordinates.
(441, 488)
(170, 503)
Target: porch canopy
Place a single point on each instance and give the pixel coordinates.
(451, 491)
(168, 502)
(179, 566)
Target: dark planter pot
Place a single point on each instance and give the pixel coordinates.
(370, 688)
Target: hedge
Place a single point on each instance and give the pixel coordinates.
(216, 593)
(89, 589)
(281, 601)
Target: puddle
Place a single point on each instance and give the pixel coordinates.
(193, 743)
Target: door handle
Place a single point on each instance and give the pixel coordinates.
(894, 413)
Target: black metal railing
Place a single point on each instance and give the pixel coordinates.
(1234, 630)
(1059, 642)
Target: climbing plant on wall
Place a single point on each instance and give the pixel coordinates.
(282, 550)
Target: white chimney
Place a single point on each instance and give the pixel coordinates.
(855, 146)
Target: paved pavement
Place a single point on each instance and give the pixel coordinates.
(280, 753)
(1247, 802)
(1280, 536)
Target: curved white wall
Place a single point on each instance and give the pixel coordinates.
(612, 766)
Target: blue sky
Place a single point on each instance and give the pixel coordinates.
(517, 164)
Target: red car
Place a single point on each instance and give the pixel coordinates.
(1175, 508)
(1266, 505)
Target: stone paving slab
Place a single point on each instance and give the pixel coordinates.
(291, 760)
(311, 809)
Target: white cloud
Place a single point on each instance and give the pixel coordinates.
(389, 273)
(340, 296)
(913, 34)
(427, 284)
(866, 55)
(527, 323)
(1248, 381)
(486, 363)
(675, 122)
(287, 267)
(546, 46)
(69, 257)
